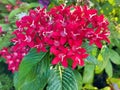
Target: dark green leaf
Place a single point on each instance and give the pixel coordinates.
(30, 66)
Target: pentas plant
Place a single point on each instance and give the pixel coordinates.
(63, 29)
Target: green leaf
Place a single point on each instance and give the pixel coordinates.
(109, 69)
(35, 81)
(88, 74)
(106, 88)
(115, 81)
(115, 42)
(13, 13)
(92, 59)
(57, 2)
(78, 79)
(112, 2)
(4, 1)
(30, 66)
(63, 79)
(92, 50)
(114, 57)
(5, 27)
(107, 8)
(33, 5)
(12, 1)
(103, 59)
(117, 2)
(89, 87)
(15, 79)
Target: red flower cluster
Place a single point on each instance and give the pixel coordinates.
(63, 29)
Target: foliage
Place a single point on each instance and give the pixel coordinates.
(6, 78)
(101, 70)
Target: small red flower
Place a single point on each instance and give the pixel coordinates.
(60, 55)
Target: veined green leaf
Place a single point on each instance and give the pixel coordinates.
(31, 69)
(63, 79)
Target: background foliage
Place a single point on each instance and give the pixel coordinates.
(102, 66)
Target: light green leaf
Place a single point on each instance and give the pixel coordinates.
(89, 87)
(33, 5)
(88, 74)
(109, 69)
(115, 81)
(106, 88)
(5, 27)
(63, 79)
(4, 1)
(114, 57)
(13, 13)
(112, 2)
(103, 59)
(12, 1)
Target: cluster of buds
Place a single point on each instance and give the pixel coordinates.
(63, 29)
(10, 7)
